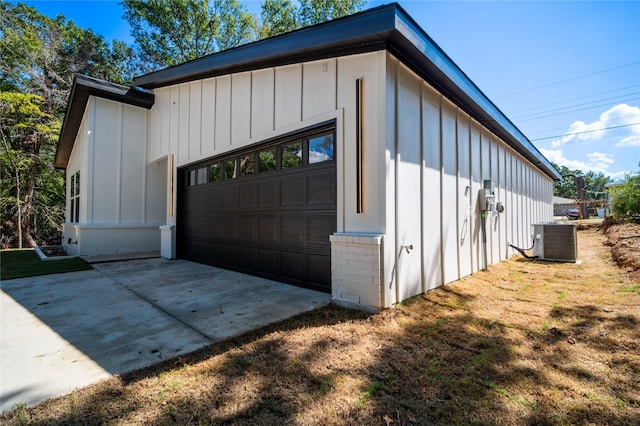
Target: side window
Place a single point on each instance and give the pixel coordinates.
(74, 200)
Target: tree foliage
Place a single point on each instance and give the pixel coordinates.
(170, 32)
(626, 198)
(281, 16)
(32, 193)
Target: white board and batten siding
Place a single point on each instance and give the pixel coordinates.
(438, 158)
(123, 199)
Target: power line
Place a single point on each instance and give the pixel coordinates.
(574, 99)
(575, 105)
(585, 131)
(577, 109)
(567, 80)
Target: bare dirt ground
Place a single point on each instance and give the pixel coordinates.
(526, 342)
(624, 240)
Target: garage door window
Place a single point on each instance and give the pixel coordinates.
(215, 173)
(267, 160)
(292, 155)
(247, 165)
(230, 169)
(286, 155)
(321, 149)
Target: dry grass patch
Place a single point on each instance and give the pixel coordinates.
(524, 343)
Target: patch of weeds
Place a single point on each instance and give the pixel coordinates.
(561, 297)
(323, 386)
(633, 288)
(241, 361)
(432, 328)
(545, 327)
(75, 409)
(515, 399)
(371, 390)
(173, 386)
(433, 367)
(21, 416)
(476, 360)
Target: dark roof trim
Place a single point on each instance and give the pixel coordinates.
(82, 88)
(385, 27)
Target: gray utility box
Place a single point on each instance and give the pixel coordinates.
(556, 241)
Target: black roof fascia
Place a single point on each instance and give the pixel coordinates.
(82, 88)
(384, 27)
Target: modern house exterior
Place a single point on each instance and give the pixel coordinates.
(352, 157)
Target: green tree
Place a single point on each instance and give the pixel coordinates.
(171, 32)
(32, 192)
(40, 55)
(278, 17)
(316, 11)
(626, 198)
(281, 16)
(38, 59)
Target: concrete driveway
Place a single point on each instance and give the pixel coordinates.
(60, 332)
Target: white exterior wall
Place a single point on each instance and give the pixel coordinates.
(122, 197)
(437, 159)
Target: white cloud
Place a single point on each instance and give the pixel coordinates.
(618, 115)
(597, 162)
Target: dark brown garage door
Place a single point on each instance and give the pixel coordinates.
(267, 211)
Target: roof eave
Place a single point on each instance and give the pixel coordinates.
(82, 88)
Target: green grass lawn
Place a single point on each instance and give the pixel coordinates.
(26, 263)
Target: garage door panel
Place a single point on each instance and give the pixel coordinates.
(292, 228)
(292, 194)
(227, 226)
(214, 199)
(321, 189)
(292, 265)
(267, 227)
(247, 196)
(246, 227)
(230, 197)
(268, 194)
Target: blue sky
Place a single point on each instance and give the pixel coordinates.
(561, 71)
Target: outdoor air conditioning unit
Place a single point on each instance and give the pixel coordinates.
(556, 241)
